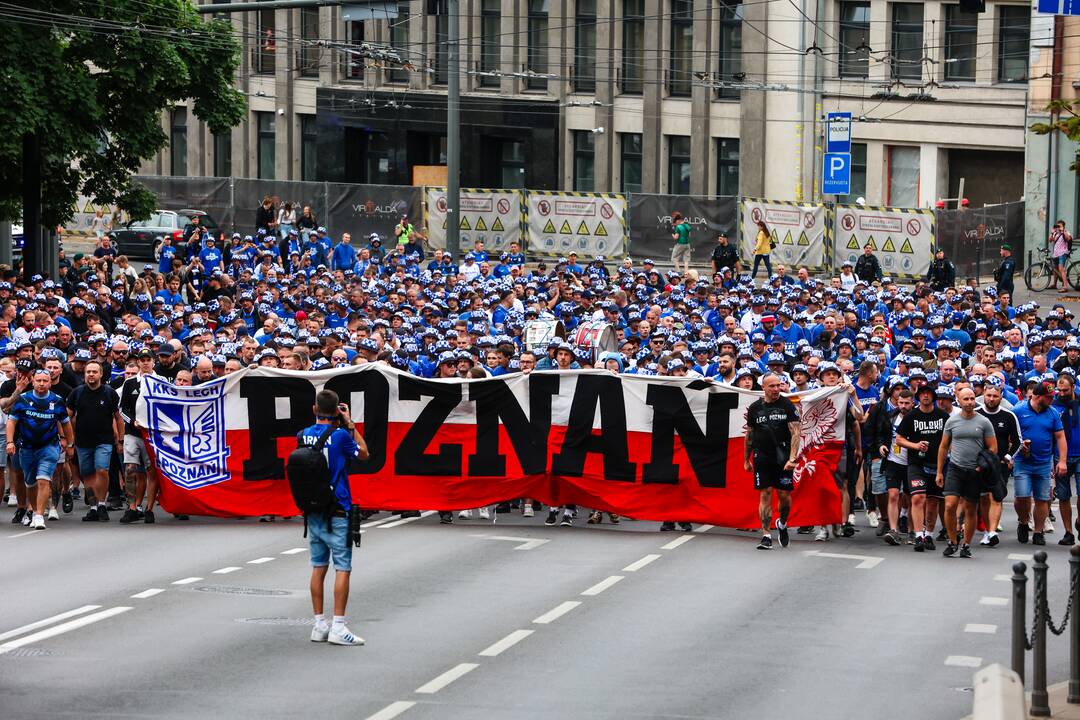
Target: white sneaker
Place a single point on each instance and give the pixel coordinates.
(1048, 526)
(12, 501)
(851, 518)
(872, 518)
(822, 534)
(465, 515)
(320, 633)
(53, 515)
(485, 514)
(528, 511)
(344, 636)
(38, 523)
(985, 540)
(27, 518)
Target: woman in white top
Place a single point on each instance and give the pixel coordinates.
(286, 219)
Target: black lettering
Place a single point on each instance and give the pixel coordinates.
(528, 436)
(264, 427)
(376, 391)
(580, 441)
(707, 451)
(411, 457)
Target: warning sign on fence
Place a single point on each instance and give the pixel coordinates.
(800, 231)
(589, 224)
(493, 216)
(902, 238)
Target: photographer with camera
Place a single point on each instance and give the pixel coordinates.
(319, 480)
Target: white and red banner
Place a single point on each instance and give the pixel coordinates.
(651, 448)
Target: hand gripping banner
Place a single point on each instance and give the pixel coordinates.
(650, 448)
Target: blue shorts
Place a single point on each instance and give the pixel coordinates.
(1061, 260)
(1032, 481)
(38, 464)
(94, 458)
(335, 542)
(1062, 487)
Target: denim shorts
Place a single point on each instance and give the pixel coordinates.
(38, 463)
(1032, 481)
(94, 458)
(1062, 487)
(335, 542)
(878, 484)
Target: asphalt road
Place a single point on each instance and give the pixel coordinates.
(475, 621)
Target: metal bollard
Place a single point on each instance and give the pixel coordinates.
(1074, 634)
(1040, 699)
(1019, 617)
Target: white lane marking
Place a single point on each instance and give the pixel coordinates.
(373, 523)
(638, 564)
(603, 585)
(187, 581)
(963, 661)
(980, 628)
(48, 621)
(392, 710)
(294, 551)
(227, 570)
(525, 543)
(259, 561)
(990, 600)
(1021, 556)
(1003, 578)
(61, 629)
(23, 534)
(506, 643)
(397, 523)
(704, 528)
(677, 542)
(446, 678)
(866, 562)
(148, 593)
(557, 612)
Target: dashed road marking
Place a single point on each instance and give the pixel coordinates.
(506, 643)
(392, 710)
(148, 593)
(703, 528)
(403, 521)
(186, 581)
(524, 542)
(677, 542)
(259, 561)
(61, 629)
(603, 585)
(374, 523)
(991, 600)
(23, 534)
(638, 564)
(294, 551)
(446, 678)
(1021, 556)
(980, 628)
(557, 612)
(1003, 578)
(227, 570)
(48, 621)
(866, 562)
(963, 661)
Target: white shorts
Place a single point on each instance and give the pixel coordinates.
(135, 452)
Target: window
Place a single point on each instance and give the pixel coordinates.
(727, 166)
(907, 41)
(584, 149)
(309, 153)
(309, 37)
(903, 176)
(538, 43)
(678, 165)
(512, 164)
(399, 42)
(265, 145)
(264, 55)
(961, 33)
(354, 36)
(1014, 28)
(223, 154)
(858, 174)
(729, 52)
(630, 162)
(682, 47)
(585, 47)
(633, 47)
(442, 49)
(178, 142)
(854, 31)
(490, 34)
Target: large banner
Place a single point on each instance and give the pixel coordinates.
(495, 217)
(650, 225)
(647, 447)
(972, 238)
(589, 224)
(902, 238)
(800, 231)
(364, 209)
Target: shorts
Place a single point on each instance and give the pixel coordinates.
(878, 484)
(964, 483)
(922, 481)
(135, 453)
(334, 543)
(1032, 481)
(895, 475)
(14, 463)
(1062, 489)
(1061, 260)
(39, 463)
(94, 458)
(680, 252)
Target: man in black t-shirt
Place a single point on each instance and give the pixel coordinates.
(772, 442)
(920, 432)
(94, 411)
(724, 255)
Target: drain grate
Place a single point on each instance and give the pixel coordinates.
(240, 590)
(299, 622)
(29, 652)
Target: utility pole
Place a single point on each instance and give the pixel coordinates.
(453, 132)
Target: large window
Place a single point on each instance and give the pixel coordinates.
(632, 68)
(729, 52)
(585, 46)
(858, 174)
(907, 41)
(961, 41)
(442, 47)
(490, 34)
(223, 154)
(903, 177)
(265, 144)
(309, 154)
(399, 42)
(727, 166)
(178, 141)
(267, 43)
(512, 164)
(309, 37)
(630, 162)
(681, 63)
(584, 160)
(1014, 29)
(854, 34)
(538, 43)
(354, 64)
(678, 164)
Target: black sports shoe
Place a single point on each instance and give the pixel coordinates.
(848, 530)
(920, 544)
(686, 527)
(67, 503)
(892, 537)
(91, 515)
(805, 530)
(567, 519)
(782, 531)
(858, 505)
(446, 518)
(1038, 539)
(942, 535)
(1067, 539)
(115, 504)
(503, 507)
(552, 518)
(18, 516)
(188, 517)
(129, 517)
(596, 517)
(148, 517)
(667, 527)
(965, 551)
(949, 550)
(410, 513)
(928, 542)
(1022, 532)
(993, 540)
(102, 515)
(903, 524)
(882, 528)
(765, 544)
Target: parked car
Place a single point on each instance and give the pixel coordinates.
(18, 239)
(142, 238)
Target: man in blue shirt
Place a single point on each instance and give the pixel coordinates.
(210, 255)
(329, 537)
(1068, 407)
(343, 255)
(1044, 437)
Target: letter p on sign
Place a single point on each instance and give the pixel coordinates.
(836, 173)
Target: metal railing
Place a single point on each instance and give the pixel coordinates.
(1035, 640)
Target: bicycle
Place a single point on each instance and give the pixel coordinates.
(1072, 274)
(1040, 273)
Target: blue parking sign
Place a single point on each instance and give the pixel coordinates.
(836, 174)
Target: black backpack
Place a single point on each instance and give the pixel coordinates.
(309, 478)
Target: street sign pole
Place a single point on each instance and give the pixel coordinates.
(453, 132)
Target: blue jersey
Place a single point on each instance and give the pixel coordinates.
(168, 252)
(339, 448)
(1039, 428)
(36, 417)
(1070, 421)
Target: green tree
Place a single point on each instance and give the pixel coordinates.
(1066, 120)
(88, 80)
